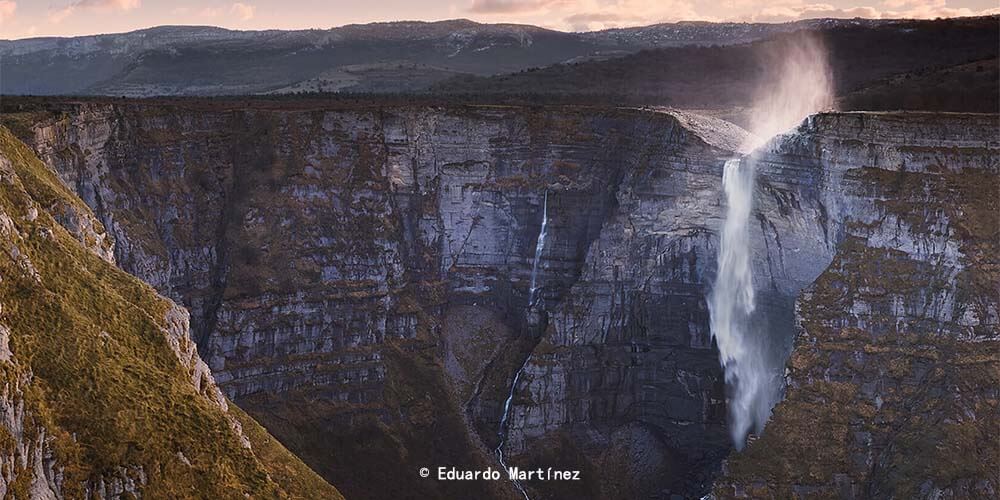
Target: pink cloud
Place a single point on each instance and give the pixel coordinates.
(7, 8)
(238, 10)
(242, 11)
(925, 9)
(57, 16)
(793, 10)
(796, 11)
(510, 6)
(581, 15)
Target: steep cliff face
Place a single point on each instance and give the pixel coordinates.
(376, 263)
(359, 276)
(104, 394)
(893, 383)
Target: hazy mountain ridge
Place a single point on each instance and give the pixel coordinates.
(203, 60)
(708, 33)
(725, 77)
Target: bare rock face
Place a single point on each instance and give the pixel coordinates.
(893, 383)
(358, 277)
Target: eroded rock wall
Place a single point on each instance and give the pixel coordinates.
(320, 252)
(892, 385)
(358, 276)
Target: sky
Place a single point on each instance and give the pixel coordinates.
(30, 18)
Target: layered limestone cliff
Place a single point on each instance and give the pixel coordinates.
(365, 271)
(893, 382)
(358, 276)
(102, 391)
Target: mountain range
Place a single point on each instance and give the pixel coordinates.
(377, 57)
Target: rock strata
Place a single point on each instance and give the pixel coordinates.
(358, 276)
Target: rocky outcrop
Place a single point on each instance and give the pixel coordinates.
(29, 461)
(892, 386)
(102, 391)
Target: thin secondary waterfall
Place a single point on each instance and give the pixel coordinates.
(731, 304)
(539, 246)
(503, 427)
(532, 299)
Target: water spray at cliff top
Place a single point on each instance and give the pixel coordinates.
(798, 85)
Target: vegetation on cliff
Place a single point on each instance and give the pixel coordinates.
(893, 383)
(107, 375)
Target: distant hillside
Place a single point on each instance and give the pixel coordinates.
(378, 57)
(864, 59)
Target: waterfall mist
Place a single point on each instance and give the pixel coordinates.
(798, 84)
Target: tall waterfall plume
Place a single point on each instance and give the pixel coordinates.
(731, 304)
(797, 84)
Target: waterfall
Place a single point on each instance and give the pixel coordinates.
(539, 246)
(731, 304)
(502, 433)
(799, 84)
(532, 293)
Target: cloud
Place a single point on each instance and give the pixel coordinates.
(57, 16)
(587, 15)
(581, 15)
(7, 8)
(210, 12)
(243, 11)
(586, 19)
(925, 9)
(239, 10)
(118, 4)
(794, 10)
(511, 6)
(595, 15)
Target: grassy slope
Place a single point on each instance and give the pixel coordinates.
(106, 387)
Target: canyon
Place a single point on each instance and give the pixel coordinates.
(367, 282)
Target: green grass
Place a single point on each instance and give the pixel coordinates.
(106, 386)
